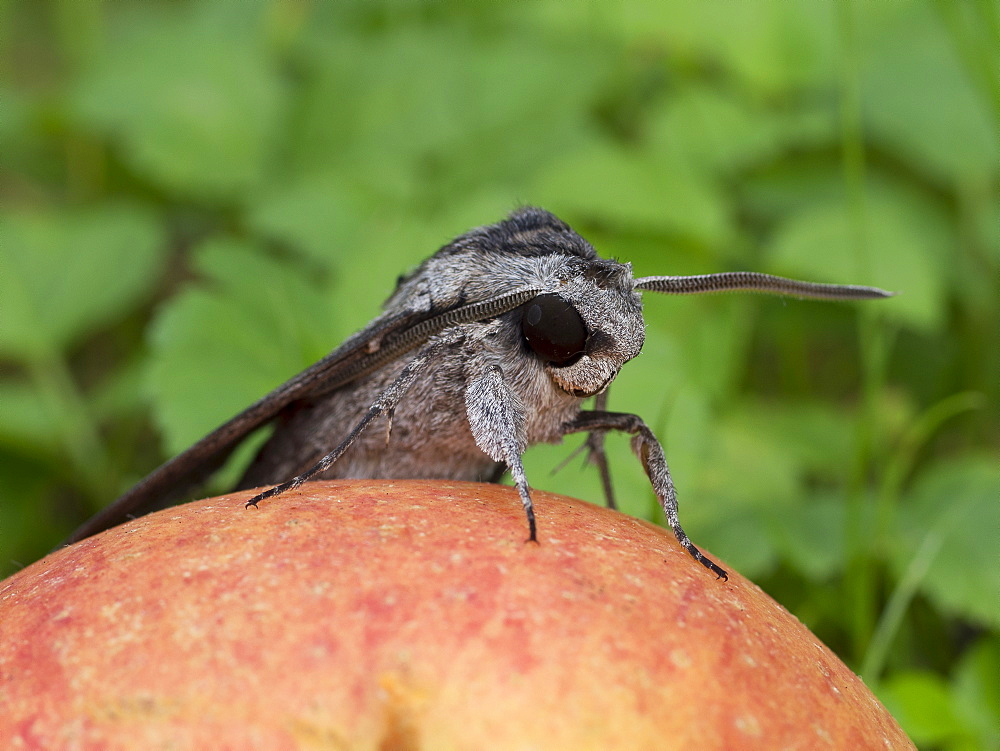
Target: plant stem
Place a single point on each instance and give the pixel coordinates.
(77, 433)
(860, 574)
(905, 455)
(892, 616)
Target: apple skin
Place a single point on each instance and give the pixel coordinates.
(410, 614)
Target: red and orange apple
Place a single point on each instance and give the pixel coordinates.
(404, 614)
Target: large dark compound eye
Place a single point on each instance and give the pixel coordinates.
(553, 329)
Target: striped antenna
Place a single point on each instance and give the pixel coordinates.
(749, 281)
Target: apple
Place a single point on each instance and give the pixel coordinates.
(382, 614)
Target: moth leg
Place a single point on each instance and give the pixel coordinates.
(596, 454)
(385, 404)
(389, 414)
(650, 452)
(498, 422)
(594, 446)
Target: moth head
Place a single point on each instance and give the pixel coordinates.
(587, 328)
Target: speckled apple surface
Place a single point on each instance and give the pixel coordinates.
(410, 614)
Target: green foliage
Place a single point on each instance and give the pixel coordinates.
(955, 712)
(949, 506)
(268, 322)
(199, 199)
(191, 94)
(66, 273)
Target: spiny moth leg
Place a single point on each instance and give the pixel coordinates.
(650, 451)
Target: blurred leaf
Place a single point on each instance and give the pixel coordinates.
(818, 436)
(442, 107)
(976, 687)
(628, 190)
(760, 474)
(317, 214)
(771, 47)
(120, 392)
(810, 535)
(25, 515)
(742, 539)
(64, 274)
(749, 469)
(29, 421)
(26, 423)
(818, 243)
(703, 341)
(684, 428)
(714, 130)
(716, 343)
(189, 93)
(957, 501)
(728, 482)
(988, 226)
(16, 132)
(337, 224)
(650, 382)
(219, 347)
(389, 245)
(784, 188)
(923, 705)
(923, 105)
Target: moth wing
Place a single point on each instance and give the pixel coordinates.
(356, 357)
(385, 339)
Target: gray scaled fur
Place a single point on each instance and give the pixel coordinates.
(455, 421)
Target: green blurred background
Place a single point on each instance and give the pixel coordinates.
(201, 198)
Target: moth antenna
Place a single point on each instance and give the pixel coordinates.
(749, 281)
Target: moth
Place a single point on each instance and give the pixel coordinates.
(491, 345)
